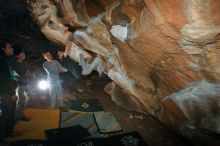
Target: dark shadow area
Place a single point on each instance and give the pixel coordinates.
(17, 26)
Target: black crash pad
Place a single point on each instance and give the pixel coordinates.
(85, 105)
(68, 135)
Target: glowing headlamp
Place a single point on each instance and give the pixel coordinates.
(43, 84)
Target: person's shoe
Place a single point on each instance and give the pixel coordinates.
(16, 133)
(25, 118)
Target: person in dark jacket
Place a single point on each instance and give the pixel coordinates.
(7, 52)
(8, 97)
(22, 68)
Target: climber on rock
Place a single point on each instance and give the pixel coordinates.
(81, 54)
(73, 68)
(86, 60)
(96, 64)
(75, 49)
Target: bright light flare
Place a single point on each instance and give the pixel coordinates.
(43, 85)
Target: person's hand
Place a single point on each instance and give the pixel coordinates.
(60, 54)
(65, 70)
(28, 73)
(14, 97)
(16, 78)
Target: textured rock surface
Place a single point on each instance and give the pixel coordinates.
(164, 54)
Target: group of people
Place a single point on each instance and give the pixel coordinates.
(14, 76)
(65, 64)
(12, 62)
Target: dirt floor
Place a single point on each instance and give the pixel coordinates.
(150, 129)
(153, 132)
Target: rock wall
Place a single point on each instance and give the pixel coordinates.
(164, 54)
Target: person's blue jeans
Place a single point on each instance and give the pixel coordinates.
(56, 94)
